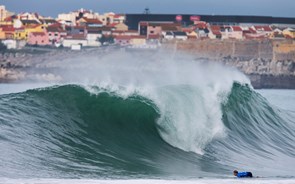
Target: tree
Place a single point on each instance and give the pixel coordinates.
(106, 39)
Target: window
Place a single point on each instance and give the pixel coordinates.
(55, 34)
(152, 32)
(49, 34)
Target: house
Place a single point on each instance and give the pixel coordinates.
(40, 28)
(180, 35)
(56, 34)
(122, 40)
(29, 22)
(20, 34)
(119, 18)
(38, 38)
(30, 17)
(168, 35)
(75, 30)
(48, 22)
(127, 32)
(70, 18)
(150, 28)
(155, 28)
(215, 32)
(89, 22)
(191, 34)
(8, 20)
(137, 41)
(14, 44)
(8, 31)
(78, 39)
(118, 26)
(262, 29)
(107, 18)
(92, 37)
(106, 30)
(251, 33)
(277, 34)
(202, 33)
(166, 27)
(236, 32)
(289, 33)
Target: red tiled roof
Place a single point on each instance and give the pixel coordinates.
(215, 28)
(128, 37)
(252, 30)
(7, 28)
(118, 16)
(112, 25)
(263, 28)
(38, 33)
(55, 25)
(201, 25)
(10, 18)
(92, 21)
(237, 28)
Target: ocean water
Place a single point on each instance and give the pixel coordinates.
(138, 121)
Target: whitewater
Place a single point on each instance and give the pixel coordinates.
(143, 118)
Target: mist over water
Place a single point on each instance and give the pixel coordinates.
(142, 115)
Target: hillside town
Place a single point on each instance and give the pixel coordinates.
(85, 28)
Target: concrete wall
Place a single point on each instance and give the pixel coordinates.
(241, 49)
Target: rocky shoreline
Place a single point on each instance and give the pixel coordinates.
(31, 65)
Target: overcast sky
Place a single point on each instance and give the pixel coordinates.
(277, 8)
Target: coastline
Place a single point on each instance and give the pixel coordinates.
(267, 67)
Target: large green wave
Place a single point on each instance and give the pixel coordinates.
(69, 132)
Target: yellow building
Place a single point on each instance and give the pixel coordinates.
(7, 32)
(22, 33)
(2, 34)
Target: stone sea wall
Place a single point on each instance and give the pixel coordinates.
(268, 63)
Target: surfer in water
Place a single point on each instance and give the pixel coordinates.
(242, 174)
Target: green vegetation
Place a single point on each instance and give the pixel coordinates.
(106, 39)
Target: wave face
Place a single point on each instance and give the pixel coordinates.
(173, 124)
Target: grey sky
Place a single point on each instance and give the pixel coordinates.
(278, 8)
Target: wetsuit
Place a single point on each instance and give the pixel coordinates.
(244, 175)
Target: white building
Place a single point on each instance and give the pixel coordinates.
(70, 18)
(4, 13)
(93, 39)
(68, 42)
(14, 44)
